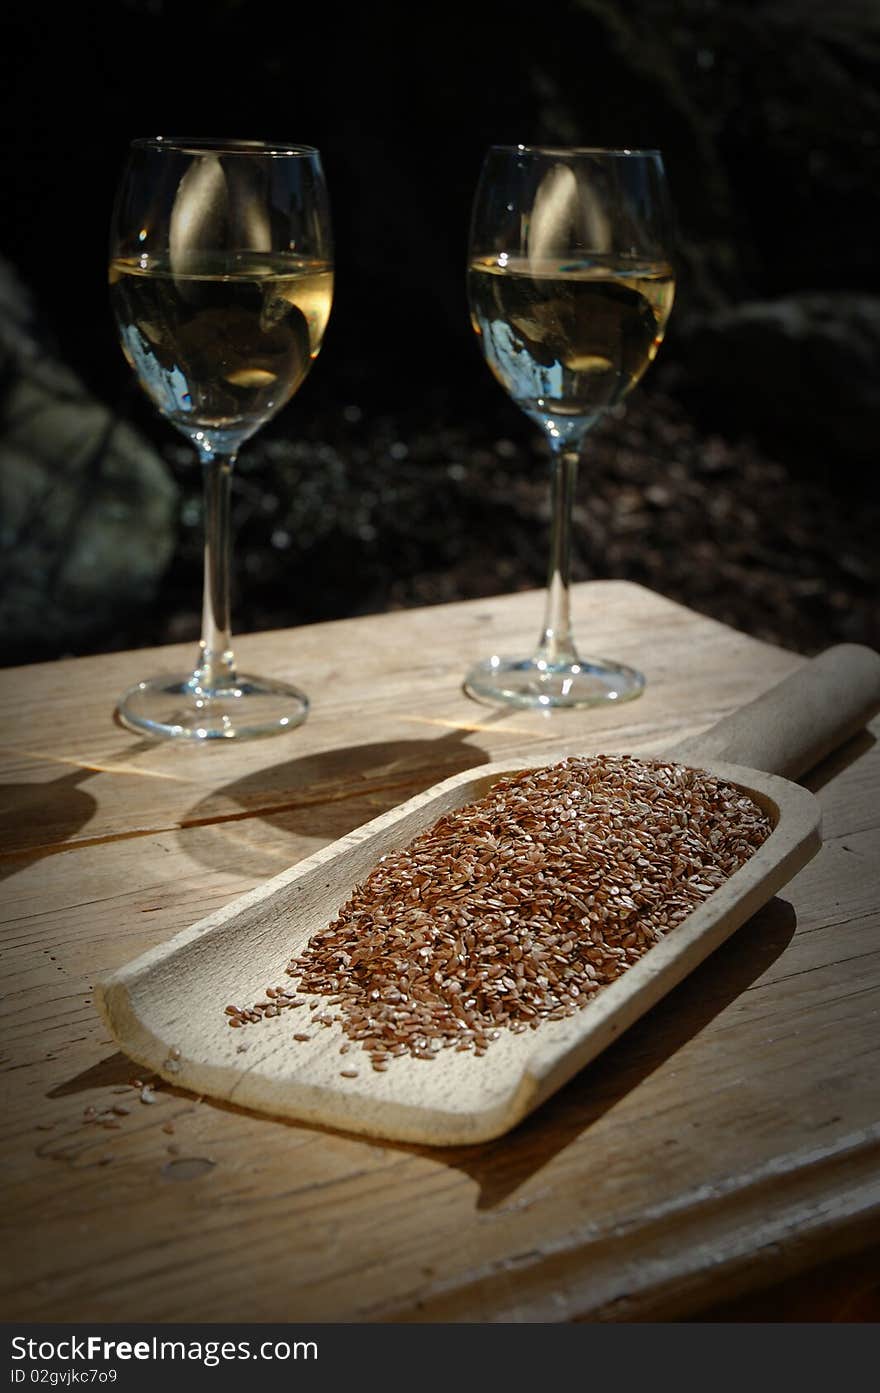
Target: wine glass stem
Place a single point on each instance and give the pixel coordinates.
(216, 665)
(556, 644)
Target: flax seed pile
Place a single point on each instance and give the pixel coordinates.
(519, 907)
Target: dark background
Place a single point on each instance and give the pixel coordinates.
(740, 478)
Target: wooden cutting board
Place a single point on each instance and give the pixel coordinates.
(166, 1008)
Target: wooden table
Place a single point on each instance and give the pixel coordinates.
(728, 1141)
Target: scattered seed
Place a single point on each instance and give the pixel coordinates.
(348, 1073)
(302, 1037)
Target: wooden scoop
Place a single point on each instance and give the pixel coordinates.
(166, 1008)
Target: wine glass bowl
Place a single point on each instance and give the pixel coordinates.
(570, 287)
(221, 284)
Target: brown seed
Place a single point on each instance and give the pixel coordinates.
(519, 907)
(348, 1073)
(302, 1037)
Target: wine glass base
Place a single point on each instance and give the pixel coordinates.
(533, 682)
(177, 708)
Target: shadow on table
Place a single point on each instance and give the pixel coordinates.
(40, 819)
(500, 1167)
(838, 760)
(49, 814)
(247, 826)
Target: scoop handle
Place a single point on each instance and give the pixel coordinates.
(797, 723)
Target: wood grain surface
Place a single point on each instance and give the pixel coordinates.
(730, 1140)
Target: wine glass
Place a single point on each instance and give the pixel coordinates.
(570, 287)
(221, 282)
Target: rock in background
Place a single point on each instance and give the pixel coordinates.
(802, 372)
(88, 508)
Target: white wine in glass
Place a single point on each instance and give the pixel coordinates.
(570, 287)
(221, 283)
